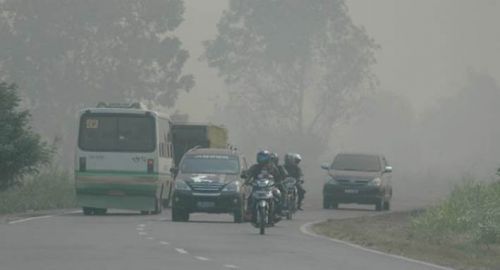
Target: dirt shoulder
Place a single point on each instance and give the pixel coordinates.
(392, 233)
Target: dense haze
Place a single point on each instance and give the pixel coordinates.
(433, 112)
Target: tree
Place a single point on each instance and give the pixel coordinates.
(67, 54)
(21, 150)
(461, 134)
(294, 68)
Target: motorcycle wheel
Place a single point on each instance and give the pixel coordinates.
(262, 217)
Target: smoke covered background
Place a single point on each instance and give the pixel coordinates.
(432, 112)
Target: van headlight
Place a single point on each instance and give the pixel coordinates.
(181, 185)
(232, 187)
(375, 182)
(331, 181)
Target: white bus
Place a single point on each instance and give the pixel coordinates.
(123, 159)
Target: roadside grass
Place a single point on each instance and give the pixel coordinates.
(463, 231)
(51, 189)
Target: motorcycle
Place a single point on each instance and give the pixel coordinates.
(289, 205)
(263, 202)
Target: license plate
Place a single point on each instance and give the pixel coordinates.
(205, 204)
(351, 191)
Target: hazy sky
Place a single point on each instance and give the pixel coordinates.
(427, 46)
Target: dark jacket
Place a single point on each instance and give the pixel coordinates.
(294, 171)
(256, 169)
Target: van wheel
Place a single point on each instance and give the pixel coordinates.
(335, 205)
(326, 203)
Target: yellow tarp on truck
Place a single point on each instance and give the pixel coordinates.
(189, 135)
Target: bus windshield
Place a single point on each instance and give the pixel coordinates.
(117, 133)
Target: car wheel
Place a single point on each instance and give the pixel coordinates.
(379, 205)
(387, 205)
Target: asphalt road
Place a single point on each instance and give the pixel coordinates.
(122, 240)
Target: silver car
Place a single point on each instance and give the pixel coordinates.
(358, 178)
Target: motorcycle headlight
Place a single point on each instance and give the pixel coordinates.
(181, 185)
(375, 182)
(232, 187)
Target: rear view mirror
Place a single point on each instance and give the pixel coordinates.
(388, 169)
(325, 166)
(174, 170)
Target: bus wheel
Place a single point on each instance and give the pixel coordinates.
(100, 211)
(87, 211)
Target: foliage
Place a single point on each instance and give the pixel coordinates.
(51, 189)
(295, 67)
(472, 213)
(70, 54)
(21, 150)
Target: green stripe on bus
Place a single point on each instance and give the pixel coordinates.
(118, 173)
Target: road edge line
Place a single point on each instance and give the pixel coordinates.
(305, 229)
(28, 219)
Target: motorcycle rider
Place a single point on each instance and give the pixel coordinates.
(264, 162)
(292, 161)
(282, 173)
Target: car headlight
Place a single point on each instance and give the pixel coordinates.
(232, 187)
(181, 185)
(375, 182)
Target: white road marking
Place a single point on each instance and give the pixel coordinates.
(28, 219)
(181, 251)
(164, 243)
(140, 229)
(305, 229)
(141, 225)
(143, 233)
(202, 258)
(151, 238)
(230, 266)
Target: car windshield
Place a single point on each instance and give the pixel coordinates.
(348, 162)
(117, 132)
(223, 164)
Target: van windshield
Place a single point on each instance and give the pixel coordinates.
(105, 132)
(354, 162)
(223, 164)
